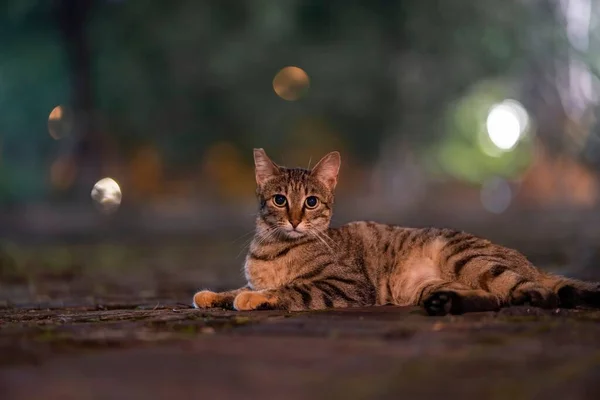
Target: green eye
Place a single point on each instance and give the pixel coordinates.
(279, 200)
(311, 202)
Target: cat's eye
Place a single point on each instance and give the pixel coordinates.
(279, 200)
(311, 202)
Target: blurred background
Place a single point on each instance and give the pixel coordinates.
(475, 115)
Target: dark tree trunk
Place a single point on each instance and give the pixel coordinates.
(85, 144)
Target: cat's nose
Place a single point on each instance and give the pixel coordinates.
(295, 222)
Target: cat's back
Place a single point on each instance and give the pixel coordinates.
(385, 247)
(387, 239)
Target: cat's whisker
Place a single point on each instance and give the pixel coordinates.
(245, 247)
(259, 239)
(324, 242)
(323, 234)
(317, 235)
(271, 233)
(331, 241)
(263, 236)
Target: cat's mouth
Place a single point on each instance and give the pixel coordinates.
(294, 233)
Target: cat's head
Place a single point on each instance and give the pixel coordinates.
(294, 202)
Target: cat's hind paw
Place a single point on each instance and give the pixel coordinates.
(586, 295)
(533, 295)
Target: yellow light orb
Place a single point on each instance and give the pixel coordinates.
(60, 122)
(107, 195)
(291, 83)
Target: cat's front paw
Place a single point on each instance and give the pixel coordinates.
(206, 299)
(247, 301)
(440, 303)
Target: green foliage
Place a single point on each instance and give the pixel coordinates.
(466, 152)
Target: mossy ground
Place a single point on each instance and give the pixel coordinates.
(79, 330)
(380, 352)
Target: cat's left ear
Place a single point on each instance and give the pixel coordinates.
(327, 169)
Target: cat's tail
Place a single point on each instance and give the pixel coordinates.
(573, 292)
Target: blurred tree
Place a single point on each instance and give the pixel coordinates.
(184, 75)
(33, 80)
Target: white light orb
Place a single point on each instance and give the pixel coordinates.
(506, 123)
(107, 195)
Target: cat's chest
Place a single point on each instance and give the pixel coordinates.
(267, 274)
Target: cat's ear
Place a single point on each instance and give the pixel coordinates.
(265, 169)
(327, 169)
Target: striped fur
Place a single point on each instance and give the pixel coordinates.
(297, 262)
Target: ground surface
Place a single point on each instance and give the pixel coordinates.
(112, 321)
(162, 350)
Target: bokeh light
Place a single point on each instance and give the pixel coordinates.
(466, 151)
(505, 124)
(496, 195)
(60, 122)
(63, 172)
(291, 83)
(107, 195)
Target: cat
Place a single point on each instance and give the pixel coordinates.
(297, 262)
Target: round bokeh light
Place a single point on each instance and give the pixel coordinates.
(60, 122)
(505, 124)
(291, 83)
(107, 195)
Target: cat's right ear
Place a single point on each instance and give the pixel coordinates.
(265, 169)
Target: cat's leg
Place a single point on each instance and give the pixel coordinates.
(572, 292)
(208, 299)
(501, 271)
(498, 278)
(441, 297)
(419, 281)
(316, 295)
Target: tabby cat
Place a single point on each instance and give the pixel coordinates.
(297, 262)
